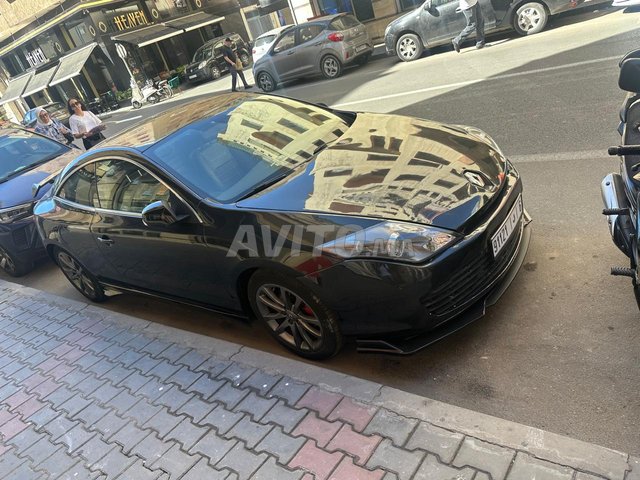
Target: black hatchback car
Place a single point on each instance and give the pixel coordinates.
(208, 62)
(321, 223)
(25, 158)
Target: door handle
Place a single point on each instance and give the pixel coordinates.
(105, 240)
(291, 52)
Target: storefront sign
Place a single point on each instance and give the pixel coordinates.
(36, 57)
(130, 20)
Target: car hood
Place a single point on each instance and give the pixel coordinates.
(17, 190)
(395, 168)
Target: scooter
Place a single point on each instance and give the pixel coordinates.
(164, 88)
(621, 191)
(148, 93)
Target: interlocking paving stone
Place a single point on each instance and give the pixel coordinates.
(317, 429)
(174, 353)
(236, 373)
(173, 398)
(315, 460)
(24, 472)
(129, 436)
(123, 401)
(355, 413)
(75, 377)
(206, 386)
(202, 470)
(23, 440)
(284, 447)
(30, 407)
(213, 447)
(135, 381)
(129, 357)
(397, 460)
(151, 448)
(484, 456)
(443, 443)
(138, 342)
(58, 426)
(176, 462)
(184, 377)
(155, 347)
(287, 417)
(43, 416)
(113, 463)
(270, 470)
(391, 425)
(261, 381)
(196, 408)
(222, 419)
(164, 370)
(152, 390)
(193, 360)
(74, 405)
(94, 450)
(75, 438)
(10, 461)
(142, 411)
(57, 464)
(40, 450)
(359, 446)
(432, 469)
(242, 461)
(138, 471)
(229, 395)
(347, 470)
(187, 434)
(91, 415)
(289, 390)
(145, 364)
(319, 400)
(163, 422)
(525, 466)
(109, 424)
(249, 431)
(255, 406)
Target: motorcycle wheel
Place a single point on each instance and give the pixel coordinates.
(168, 92)
(136, 104)
(153, 99)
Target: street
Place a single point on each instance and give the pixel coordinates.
(561, 349)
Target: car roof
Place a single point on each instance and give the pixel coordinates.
(274, 31)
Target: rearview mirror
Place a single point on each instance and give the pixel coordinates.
(631, 54)
(159, 213)
(428, 6)
(629, 79)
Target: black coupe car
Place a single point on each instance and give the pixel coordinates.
(321, 223)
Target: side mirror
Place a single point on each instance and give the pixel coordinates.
(628, 55)
(629, 79)
(428, 6)
(160, 213)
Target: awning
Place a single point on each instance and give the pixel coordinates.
(147, 35)
(40, 81)
(15, 88)
(193, 21)
(71, 64)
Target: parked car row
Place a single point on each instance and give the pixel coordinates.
(401, 263)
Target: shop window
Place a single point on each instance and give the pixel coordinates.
(410, 4)
(330, 7)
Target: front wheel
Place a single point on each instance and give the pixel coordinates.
(11, 265)
(409, 47)
(530, 18)
(136, 104)
(79, 277)
(215, 72)
(294, 316)
(330, 67)
(266, 82)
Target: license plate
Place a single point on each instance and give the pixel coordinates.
(361, 48)
(499, 239)
(192, 76)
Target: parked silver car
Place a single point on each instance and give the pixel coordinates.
(324, 45)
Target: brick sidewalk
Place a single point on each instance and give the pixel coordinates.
(86, 393)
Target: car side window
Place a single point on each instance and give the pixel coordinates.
(439, 3)
(80, 187)
(126, 187)
(309, 32)
(287, 41)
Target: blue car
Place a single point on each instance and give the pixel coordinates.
(26, 158)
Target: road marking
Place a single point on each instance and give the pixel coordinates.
(478, 80)
(128, 119)
(560, 156)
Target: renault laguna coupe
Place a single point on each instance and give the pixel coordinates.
(321, 223)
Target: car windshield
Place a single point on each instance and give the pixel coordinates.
(20, 151)
(344, 22)
(265, 40)
(227, 156)
(202, 54)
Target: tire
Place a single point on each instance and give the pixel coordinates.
(245, 59)
(136, 104)
(330, 67)
(79, 277)
(11, 265)
(168, 92)
(215, 72)
(530, 18)
(294, 316)
(409, 47)
(152, 99)
(266, 82)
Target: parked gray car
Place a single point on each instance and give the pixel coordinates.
(322, 46)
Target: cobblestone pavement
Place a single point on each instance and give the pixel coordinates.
(86, 393)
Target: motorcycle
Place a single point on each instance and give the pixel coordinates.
(148, 93)
(164, 88)
(621, 191)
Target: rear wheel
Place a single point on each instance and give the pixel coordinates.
(79, 277)
(12, 266)
(266, 82)
(409, 47)
(294, 316)
(330, 67)
(530, 18)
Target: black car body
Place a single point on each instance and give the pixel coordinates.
(208, 62)
(382, 226)
(26, 158)
(437, 22)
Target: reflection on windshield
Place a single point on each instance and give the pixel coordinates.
(21, 150)
(227, 155)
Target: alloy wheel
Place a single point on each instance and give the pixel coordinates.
(529, 19)
(78, 276)
(407, 48)
(290, 317)
(330, 67)
(265, 82)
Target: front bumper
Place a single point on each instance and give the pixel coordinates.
(197, 75)
(21, 240)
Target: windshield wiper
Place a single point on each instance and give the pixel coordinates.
(264, 185)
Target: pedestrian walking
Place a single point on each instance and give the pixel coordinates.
(51, 127)
(473, 13)
(84, 124)
(235, 65)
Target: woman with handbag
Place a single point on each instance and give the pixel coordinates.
(52, 128)
(84, 124)
(235, 65)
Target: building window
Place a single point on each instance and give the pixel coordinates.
(330, 7)
(363, 10)
(409, 4)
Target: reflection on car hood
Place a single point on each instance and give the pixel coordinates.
(396, 168)
(17, 190)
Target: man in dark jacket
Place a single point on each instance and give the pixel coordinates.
(231, 58)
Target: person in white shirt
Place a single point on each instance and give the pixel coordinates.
(84, 124)
(473, 13)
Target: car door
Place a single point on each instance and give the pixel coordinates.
(310, 43)
(283, 56)
(444, 21)
(169, 259)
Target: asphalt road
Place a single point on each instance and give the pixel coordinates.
(561, 350)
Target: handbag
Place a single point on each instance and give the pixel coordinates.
(239, 65)
(92, 140)
(69, 136)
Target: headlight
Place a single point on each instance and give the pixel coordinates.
(12, 214)
(392, 241)
(201, 65)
